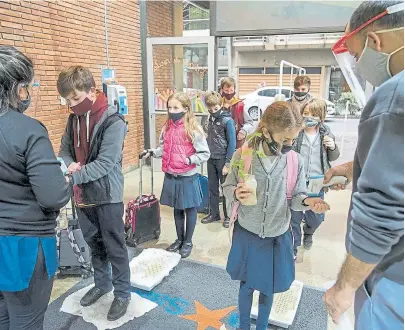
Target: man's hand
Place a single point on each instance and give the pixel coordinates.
(225, 170)
(329, 143)
(241, 135)
(74, 167)
(318, 205)
(242, 192)
(338, 302)
(345, 170)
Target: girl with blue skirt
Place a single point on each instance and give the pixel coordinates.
(183, 146)
(262, 256)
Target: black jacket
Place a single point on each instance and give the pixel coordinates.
(32, 186)
(221, 136)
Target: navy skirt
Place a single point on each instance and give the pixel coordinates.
(181, 192)
(265, 264)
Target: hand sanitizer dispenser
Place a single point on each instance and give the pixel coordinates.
(117, 96)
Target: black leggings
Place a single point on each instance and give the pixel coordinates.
(190, 216)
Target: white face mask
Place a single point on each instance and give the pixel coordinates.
(375, 66)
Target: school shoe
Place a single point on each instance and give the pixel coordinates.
(118, 308)
(209, 218)
(307, 242)
(176, 246)
(226, 223)
(92, 296)
(185, 250)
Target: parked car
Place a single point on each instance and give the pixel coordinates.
(257, 101)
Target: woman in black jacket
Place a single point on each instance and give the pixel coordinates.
(32, 191)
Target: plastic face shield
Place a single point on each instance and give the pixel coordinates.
(347, 62)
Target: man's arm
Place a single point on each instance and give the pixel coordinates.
(109, 155)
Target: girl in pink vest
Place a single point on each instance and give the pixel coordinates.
(183, 146)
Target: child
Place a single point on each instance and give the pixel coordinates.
(222, 142)
(182, 147)
(302, 85)
(91, 147)
(242, 119)
(261, 256)
(316, 144)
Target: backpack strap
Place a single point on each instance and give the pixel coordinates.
(292, 172)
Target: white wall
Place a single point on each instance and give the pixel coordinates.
(272, 58)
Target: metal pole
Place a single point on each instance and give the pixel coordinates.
(344, 128)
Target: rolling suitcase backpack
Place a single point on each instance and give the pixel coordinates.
(204, 207)
(73, 252)
(142, 215)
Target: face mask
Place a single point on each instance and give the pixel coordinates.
(23, 105)
(286, 149)
(300, 96)
(216, 114)
(228, 96)
(311, 121)
(375, 66)
(83, 107)
(176, 116)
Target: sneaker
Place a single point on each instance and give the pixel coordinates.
(307, 242)
(186, 249)
(176, 246)
(226, 223)
(118, 308)
(92, 296)
(209, 218)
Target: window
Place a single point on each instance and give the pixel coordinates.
(250, 70)
(268, 92)
(313, 70)
(286, 70)
(287, 93)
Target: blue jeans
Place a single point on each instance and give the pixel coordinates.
(245, 306)
(379, 305)
(312, 222)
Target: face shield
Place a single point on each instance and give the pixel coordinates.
(347, 62)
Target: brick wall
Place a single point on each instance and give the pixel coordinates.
(160, 24)
(59, 34)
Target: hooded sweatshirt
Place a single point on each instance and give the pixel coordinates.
(83, 127)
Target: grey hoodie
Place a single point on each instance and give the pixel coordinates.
(271, 216)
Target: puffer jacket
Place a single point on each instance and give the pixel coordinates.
(177, 147)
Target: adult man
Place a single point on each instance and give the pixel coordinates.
(92, 149)
(243, 122)
(374, 266)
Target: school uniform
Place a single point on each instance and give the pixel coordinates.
(317, 160)
(262, 236)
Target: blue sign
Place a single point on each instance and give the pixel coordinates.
(107, 74)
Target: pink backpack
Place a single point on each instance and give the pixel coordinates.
(292, 175)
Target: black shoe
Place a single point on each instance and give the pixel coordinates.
(185, 250)
(209, 218)
(92, 296)
(307, 242)
(118, 308)
(226, 223)
(176, 246)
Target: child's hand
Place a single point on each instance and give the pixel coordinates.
(318, 205)
(242, 192)
(225, 171)
(328, 142)
(74, 167)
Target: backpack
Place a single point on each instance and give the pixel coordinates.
(292, 175)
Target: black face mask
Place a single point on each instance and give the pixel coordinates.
(274, 147)
(300, 95)
(176, 116)
(286, 149)
(24, 104)
(216, 114)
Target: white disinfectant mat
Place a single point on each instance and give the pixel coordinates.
(151, 267)
(97, 313)
(284, 307)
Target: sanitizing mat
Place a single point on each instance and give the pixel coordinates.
(194, 296)
(150, 267)
(285, 305)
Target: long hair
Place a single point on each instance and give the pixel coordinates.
(191, 127)
(16, 72)
(279, 117)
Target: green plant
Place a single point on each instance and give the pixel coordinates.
(348, 97)
(239, 164)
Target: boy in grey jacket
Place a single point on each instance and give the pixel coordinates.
(92, 149)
